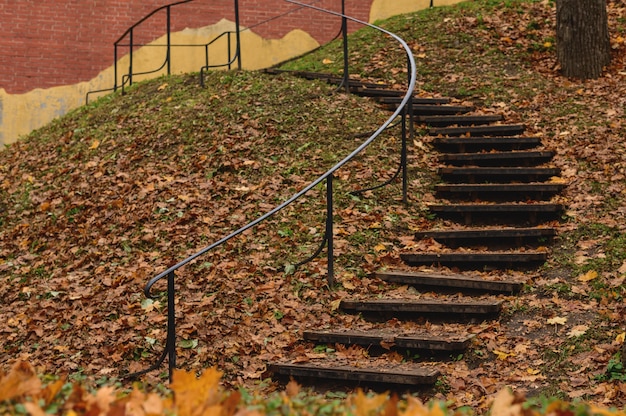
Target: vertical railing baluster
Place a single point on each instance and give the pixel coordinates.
(130, 61)
(228, 46)
(238, 35)
(170, 343)
(115, 67)
(169, 41)
(329, 230)
(344, 33)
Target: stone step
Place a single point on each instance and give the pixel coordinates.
(377, 338)
(406, 374)
(459, 120)
(484, 144)
(477, 131)
(490, 237)
(449, 281)
(497, 174)
(477, 261)
(514, 158)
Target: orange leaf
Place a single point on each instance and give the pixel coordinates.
(367, 405)
(197, 396)
(21, 380)
(590, 275)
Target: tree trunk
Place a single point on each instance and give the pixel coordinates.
(583, 46)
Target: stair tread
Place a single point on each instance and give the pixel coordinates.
(496, 155)
(463, 119)
(488, 233)
(499, 170)
(499, 158)
(486, 139)
(471, 256)
(423, 306)
(538, 207)
(443, 109)
(407, 373)
(416, 99)
(498, 187)
(500, 129)
(456, 281)
(444, 342)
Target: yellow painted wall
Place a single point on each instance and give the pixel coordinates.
(384, 9)
(22, 113)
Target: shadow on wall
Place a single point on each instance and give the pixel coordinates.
(22, 113)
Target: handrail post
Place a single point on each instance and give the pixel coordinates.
(329, 229)
(130, 60)
(238, 35)
(170, 343)
(228, 46)
(169, 40)
(344, 33)
(115, 68)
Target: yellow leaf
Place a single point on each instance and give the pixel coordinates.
(380, 247)
(620, 338)
(590, 275)
(334, 305)
(327, 61)
(557, 179)
(421, 56)
(532, 372)
(94, 144)
(162, 87)
(502, 355)
(557, 320)
(547, 44)
(375, 225)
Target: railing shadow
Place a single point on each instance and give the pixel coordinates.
(403, 111)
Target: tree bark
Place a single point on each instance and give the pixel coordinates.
(582, 38)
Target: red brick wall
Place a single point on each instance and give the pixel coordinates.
(48, 43)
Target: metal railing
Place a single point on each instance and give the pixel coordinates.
(127, 78)
(403, 110)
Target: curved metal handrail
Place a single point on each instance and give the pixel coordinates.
(327, 176)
